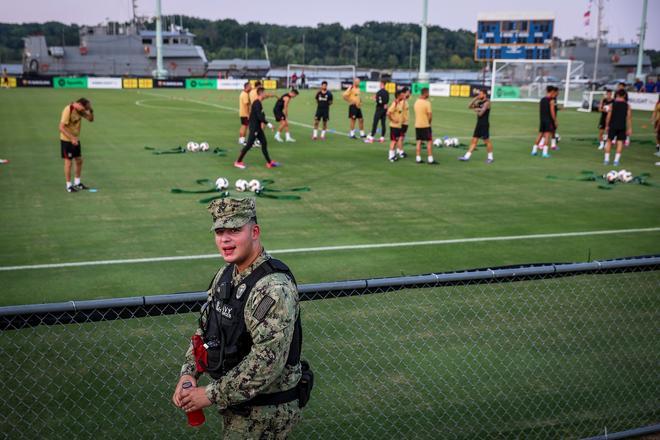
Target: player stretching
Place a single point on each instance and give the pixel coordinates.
(70, 121)
(423, 133)
(352, 96)
(382, 99)
(323, 102)
(256, 132)
(548, 124)
(394, 114)
(618, 125)
(244, 111)
(281, 112)
(481, 106)
(604, 108)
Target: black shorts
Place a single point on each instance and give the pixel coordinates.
(354, 112)
(395, 133)
(424, 134)
(481, 131)
(322, 115)
(602, 121)
(546, 126)
(618, 133)
(70, 151)
(244, 120)
(404, 129)
(279, 116)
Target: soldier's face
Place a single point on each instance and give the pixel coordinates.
(239, 245)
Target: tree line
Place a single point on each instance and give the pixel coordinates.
(379, 45)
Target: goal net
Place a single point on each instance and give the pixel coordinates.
(315, 74)
(527, 80)
(591, 100)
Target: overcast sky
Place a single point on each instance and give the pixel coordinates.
(622, 17)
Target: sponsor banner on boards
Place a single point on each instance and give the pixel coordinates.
(642, 101)
(103, 83)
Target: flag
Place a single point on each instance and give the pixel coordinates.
(587, 15)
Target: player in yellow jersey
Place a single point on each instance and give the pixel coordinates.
(423, 133)
(394, 114)
(244, 111)
(352, 96)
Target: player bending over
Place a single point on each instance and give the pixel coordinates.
(281, 112)
(323, 102)
(548, 121)
(481, 106)
(618, 125)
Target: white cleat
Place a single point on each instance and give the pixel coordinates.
(290, 139)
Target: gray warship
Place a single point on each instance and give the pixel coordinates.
(116, 50)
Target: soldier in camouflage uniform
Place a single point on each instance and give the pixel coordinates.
(270, 316)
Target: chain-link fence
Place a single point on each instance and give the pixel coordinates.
(548, 351)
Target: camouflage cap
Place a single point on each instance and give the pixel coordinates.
(231, 213)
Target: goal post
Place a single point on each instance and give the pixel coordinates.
(591, 100)
(527, 80)
(315, 74)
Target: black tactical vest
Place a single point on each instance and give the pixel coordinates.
(225, 334)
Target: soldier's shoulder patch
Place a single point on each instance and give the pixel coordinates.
(262, 308)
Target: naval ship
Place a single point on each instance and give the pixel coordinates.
(124, 50)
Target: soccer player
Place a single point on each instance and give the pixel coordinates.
(604, 108)
(323, 102)
(244, 111)
(481, 106)
(70, 144)
(618, 125)
(281, 112)
(256, 132)
(382, 99)
(352, 96)
(253, 92)
(623, 86)
(548, 122)
(656, 124)
(5, 79)
(423, 133)
(395, 115)
(405, 114)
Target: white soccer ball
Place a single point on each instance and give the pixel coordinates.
(612, 176)
(204, 146)
(221, 183)
(241, 185)
(437, 142)
(254, 185)
(446, 141)
(627, 177)
(557, 137)
(455, 142)
(190, 145)
(620, 175)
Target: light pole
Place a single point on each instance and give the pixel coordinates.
(423, 76)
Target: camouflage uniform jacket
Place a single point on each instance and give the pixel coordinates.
(264, 369)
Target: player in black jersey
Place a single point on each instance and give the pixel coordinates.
(548, 121)
(481, 106)
(623, 86)
(323, 102)
(618, 125)
(255, 131)
(604, 108)
(382, 99)
(281, 112)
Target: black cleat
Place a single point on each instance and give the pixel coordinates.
(433, 163)
(80, 187)
(71, 189)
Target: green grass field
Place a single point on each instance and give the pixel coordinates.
(357, 196)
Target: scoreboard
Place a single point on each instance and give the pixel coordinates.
(514, 36)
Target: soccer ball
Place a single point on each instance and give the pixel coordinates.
(437, 142)
(241, 185)
(455, 142)
(221, 183)
(612, 176)
(204, 146)
(190, 146)
(254, 185)
(557, 137)
(627, 177)
(257, 143)
(621, 174)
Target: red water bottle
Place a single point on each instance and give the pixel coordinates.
(195, 418)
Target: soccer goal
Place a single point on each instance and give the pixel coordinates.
(315, 74)
(527, 80)
(591, 100)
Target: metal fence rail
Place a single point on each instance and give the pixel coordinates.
(542, 351)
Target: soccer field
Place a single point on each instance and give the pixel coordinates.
(452, 216)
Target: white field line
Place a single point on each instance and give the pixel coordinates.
(337, 248)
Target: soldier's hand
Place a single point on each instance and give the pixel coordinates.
(193, 399)
(176, 397)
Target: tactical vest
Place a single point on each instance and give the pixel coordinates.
(225, 334)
